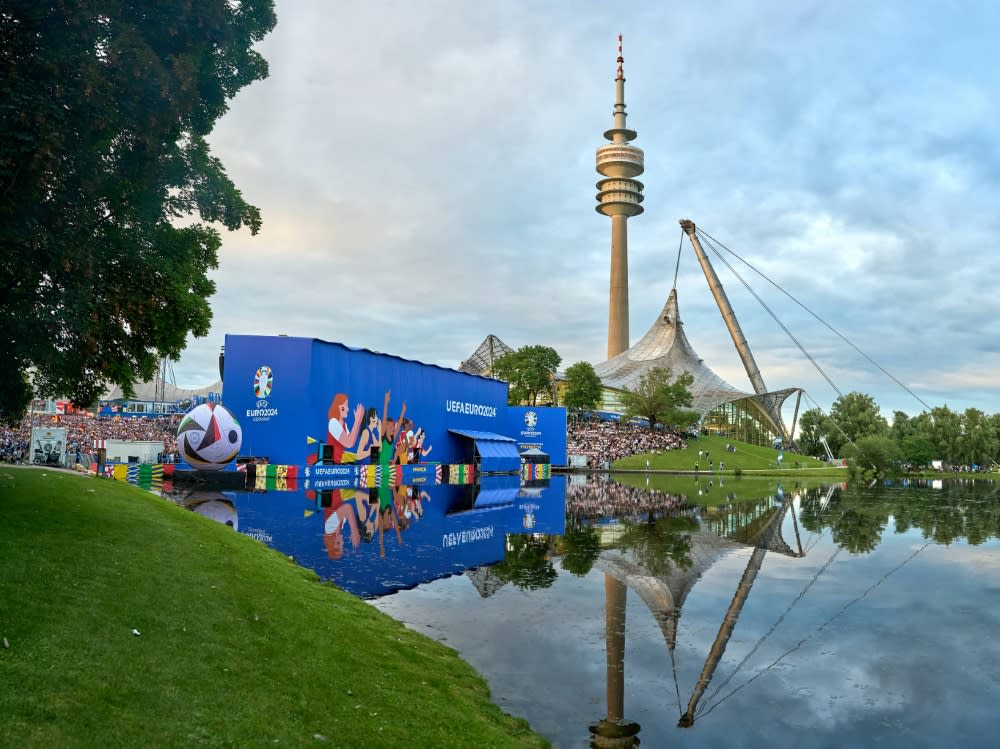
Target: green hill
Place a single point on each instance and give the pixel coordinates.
(746, 459)
(127, 621)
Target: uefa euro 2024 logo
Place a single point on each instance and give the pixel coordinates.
(262, 382)
(530, 419)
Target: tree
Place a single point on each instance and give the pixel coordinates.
(854, 416)
(945, 433)
(872, 455)
(813, 425)
(583, 387)
(105, 109)
(993, 424)
(902, 426)
(529, 371)
(917, 450)
(978, 443)
(661, 399)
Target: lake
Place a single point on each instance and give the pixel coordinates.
(751, 613)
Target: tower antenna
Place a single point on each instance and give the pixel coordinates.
(621, 61)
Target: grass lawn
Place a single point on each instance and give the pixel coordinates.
(750, 472)
(127, 621)
(747, 459)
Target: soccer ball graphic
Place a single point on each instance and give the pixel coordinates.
(209, 437)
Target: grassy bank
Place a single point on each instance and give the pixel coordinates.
(127, 621)
(753, 461)
(747, 459)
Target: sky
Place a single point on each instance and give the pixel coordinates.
(425, 172)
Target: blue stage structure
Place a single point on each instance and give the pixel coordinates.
(300, 400)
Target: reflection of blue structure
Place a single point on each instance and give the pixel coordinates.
(286, 390)
(461, 527)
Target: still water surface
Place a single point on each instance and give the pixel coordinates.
(820, 616)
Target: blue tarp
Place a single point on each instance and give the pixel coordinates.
(496, 452)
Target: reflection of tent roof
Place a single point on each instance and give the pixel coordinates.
(485, 581)
(664, 594)
(666, 345)
(481, 361)
(151, 391)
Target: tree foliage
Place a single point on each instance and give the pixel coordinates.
(858, 519)
(583, 387)
(103, 116)
(527, 563)
(813, 425)
(852, 417)
(970, 438)
(582, 547)
(944, 430)
(661, 399)
(873, 455)
(917, 450)
(530, 371)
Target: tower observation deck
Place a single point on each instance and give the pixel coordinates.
(619, 196)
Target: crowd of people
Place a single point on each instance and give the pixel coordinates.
(83, 431)
(600, 441)
(605, 441)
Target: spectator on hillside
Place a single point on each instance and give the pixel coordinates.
(606, 441)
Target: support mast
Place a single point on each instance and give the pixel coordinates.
(732, 324)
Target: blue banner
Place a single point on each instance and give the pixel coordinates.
(539, 428)
(296, 398)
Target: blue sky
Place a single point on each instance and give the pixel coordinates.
(426, 177)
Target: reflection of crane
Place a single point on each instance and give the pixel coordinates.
(824, 501)
(769, 537)
(663, 595)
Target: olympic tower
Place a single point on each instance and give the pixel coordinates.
(619, 196)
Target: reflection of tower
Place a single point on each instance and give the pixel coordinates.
(618, 197)
(614, 730)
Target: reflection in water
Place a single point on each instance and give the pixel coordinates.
(614, 730)
(546, 540)
(213, 505)
(373, 540)
(659, 553)
(857, 520)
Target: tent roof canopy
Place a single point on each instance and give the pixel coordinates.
(497, 453)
